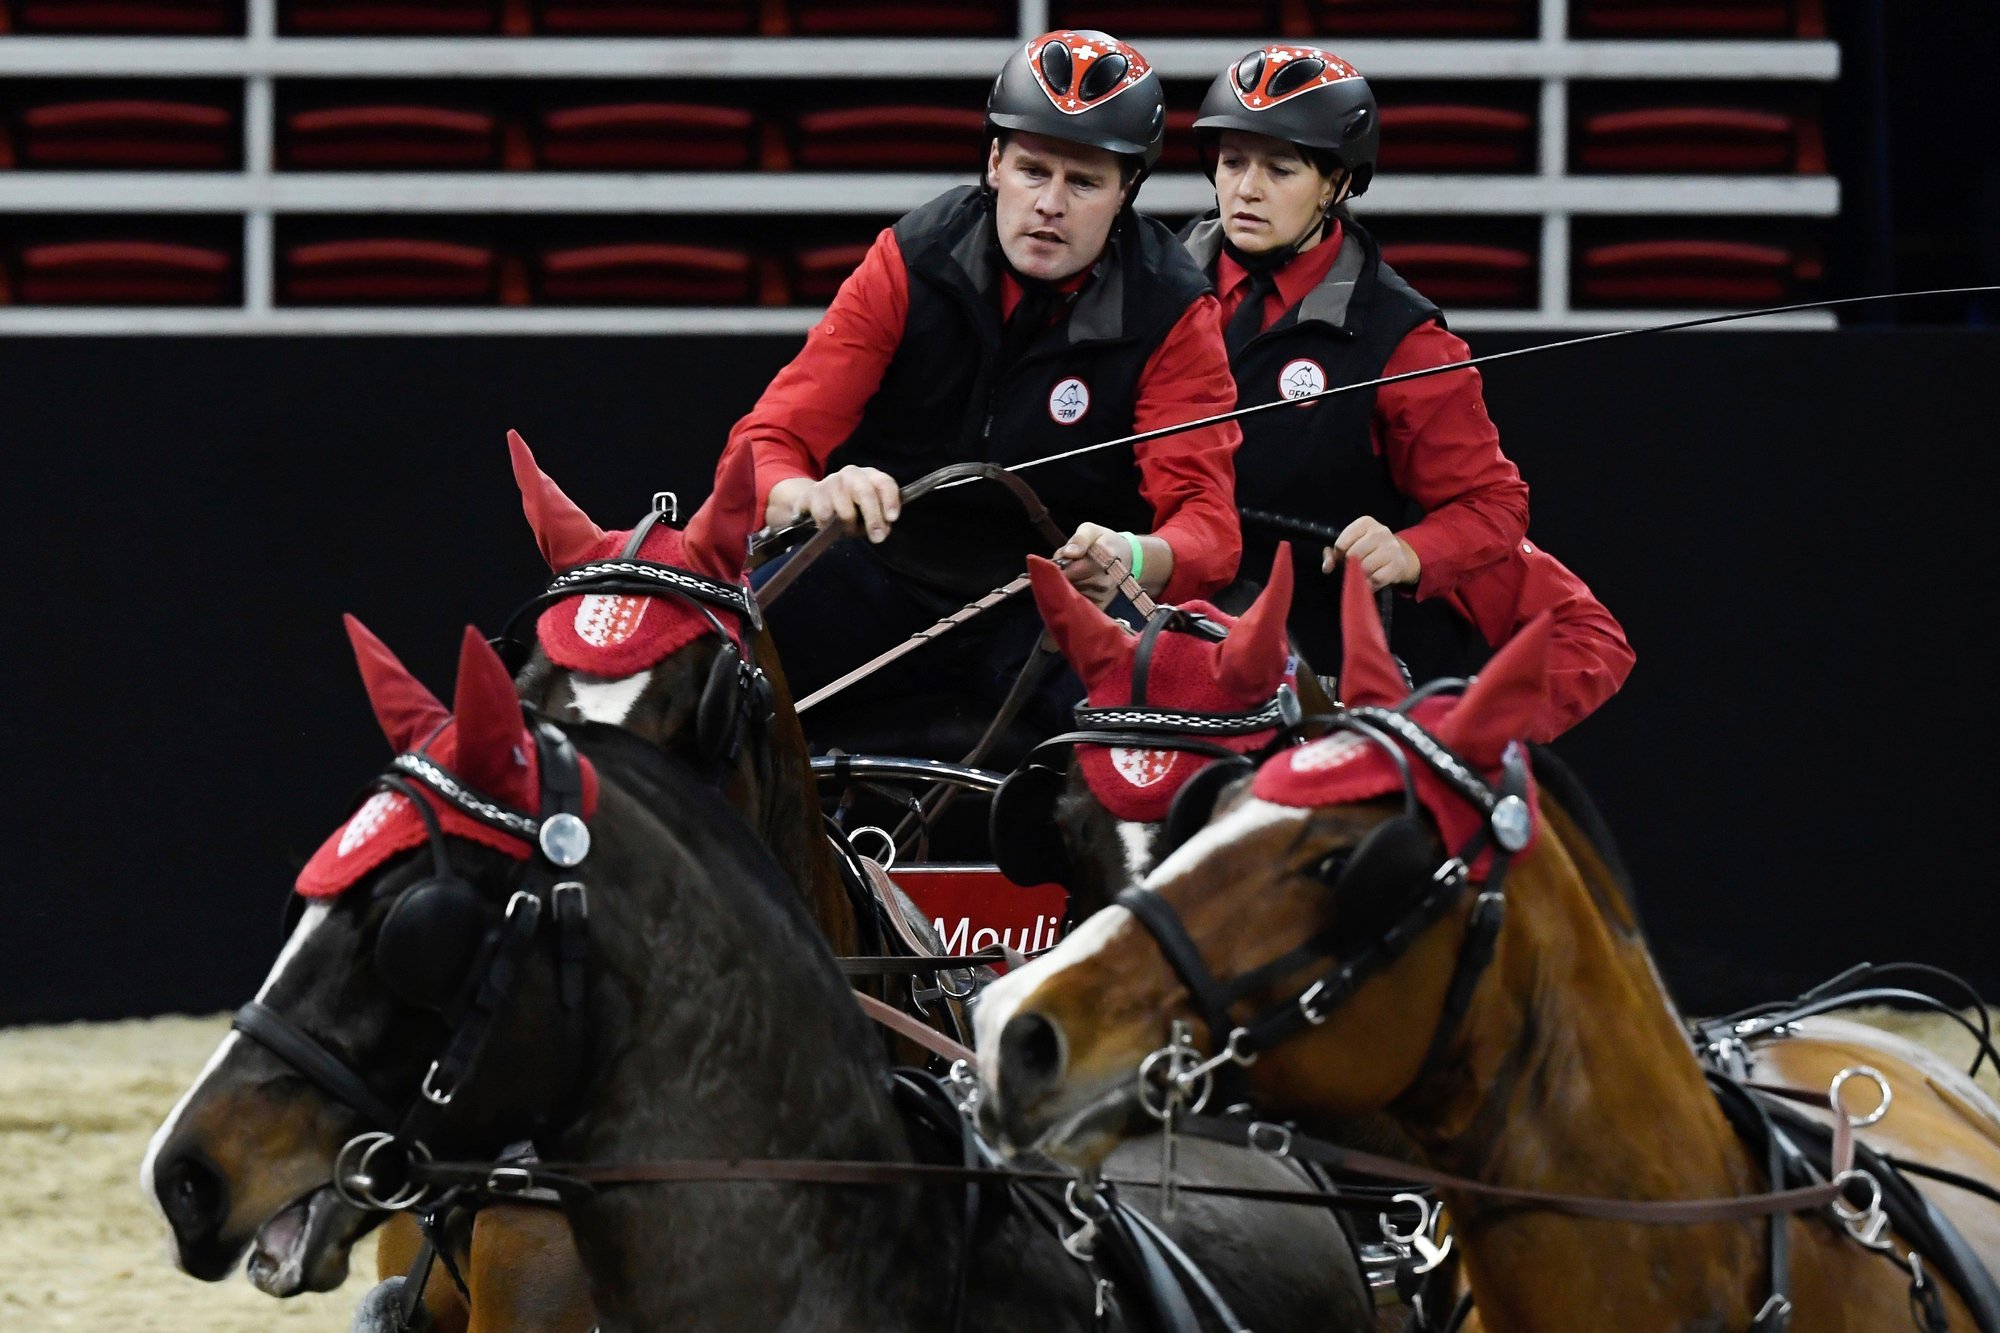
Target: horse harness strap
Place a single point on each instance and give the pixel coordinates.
(374, 1169)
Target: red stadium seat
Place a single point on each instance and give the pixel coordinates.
(649, 136)
(125, 273)
(1424, 18)
(1700, 138)
(648, 273)
(890, 138)
(944, 18)
(1697, 18)
(138, 17)
(653, 18)
(375, 137)
(1453, 137)
(1692, 273)
(390, 18)
(129, 132)
(1181, 153)
(1166, 18)
(389, 271)
(1459, 274)
(818, 273)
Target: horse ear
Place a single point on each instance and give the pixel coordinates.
(407, 711)
(491, 741)
(1093, 642)
(1252, 659)
(563, 531)
(1505, 700)
(717, 539)
(1368, 674)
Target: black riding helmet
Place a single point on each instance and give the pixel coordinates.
(1086, 87)
(1299, 94)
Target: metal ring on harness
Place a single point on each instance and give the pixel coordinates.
(887, 860)
(1875, 1076)
(357, 1185)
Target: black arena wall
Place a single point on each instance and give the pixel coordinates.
(1794, 528)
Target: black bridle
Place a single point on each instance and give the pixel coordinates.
(373, 1170)
(1394, 857)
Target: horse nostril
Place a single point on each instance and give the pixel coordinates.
(1031, 1055)
(192, 1194)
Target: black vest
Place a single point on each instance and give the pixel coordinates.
(944, 400)
(1318, 462)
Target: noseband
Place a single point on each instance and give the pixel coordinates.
(446, 947)
(1393, 862)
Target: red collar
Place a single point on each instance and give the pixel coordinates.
(1010, 290)
(1295, 279)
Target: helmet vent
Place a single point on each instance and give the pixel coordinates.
(1103, 77)
(1249, 70)
(1296, 76)
(1057, 66)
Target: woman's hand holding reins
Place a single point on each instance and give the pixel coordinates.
(1385, 558)
(1096, 557)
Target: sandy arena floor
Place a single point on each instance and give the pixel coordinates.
(82, 1249)
(79, 1246)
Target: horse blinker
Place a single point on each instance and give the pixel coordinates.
(1021, 823)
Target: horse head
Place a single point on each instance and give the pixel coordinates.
(371, 1018)
(1208, 690)
(1336, 862)
(662, 664)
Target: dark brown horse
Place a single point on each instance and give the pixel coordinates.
(718, 1028)
(1564, 1070)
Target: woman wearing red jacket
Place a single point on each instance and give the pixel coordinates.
(1410, 474)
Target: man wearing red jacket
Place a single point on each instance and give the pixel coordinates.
(1022, 318)
(1589, 657)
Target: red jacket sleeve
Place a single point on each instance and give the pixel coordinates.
(1190, 478)
(1589, 657)
(1444, 453)
(816, 401)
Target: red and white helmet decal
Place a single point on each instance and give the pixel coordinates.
(1279, 73)
(1078, 71)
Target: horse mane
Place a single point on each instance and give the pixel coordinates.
(1574, 807)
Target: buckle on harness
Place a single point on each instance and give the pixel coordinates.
(509, 1180)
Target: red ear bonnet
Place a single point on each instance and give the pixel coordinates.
(563, 531)
(408, 712)
(1368, 673)
(1344, 768)
(485, 745)
(1189, 672)
(614, 634)
(717, 538)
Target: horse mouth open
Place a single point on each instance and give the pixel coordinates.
(306, 1245)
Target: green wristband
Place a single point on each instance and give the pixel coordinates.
(1138, 555)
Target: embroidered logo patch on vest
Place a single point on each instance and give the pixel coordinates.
(603, 622)
(1143, 768)
(1068, 401)
(1302, 378)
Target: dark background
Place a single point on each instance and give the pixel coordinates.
(1794, 529)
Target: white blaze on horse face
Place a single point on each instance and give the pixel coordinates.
(1137, 839)
(999, 1001)
(608, 699)
(309, 922)
(1242, 821)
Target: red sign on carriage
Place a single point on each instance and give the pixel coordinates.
(975, 907)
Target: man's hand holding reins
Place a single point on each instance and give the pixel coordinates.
(856, 499)
(1095, 557)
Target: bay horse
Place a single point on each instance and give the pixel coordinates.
(607, 960)
(1522, 1043)
(703, 683)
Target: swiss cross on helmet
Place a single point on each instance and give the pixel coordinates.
(1301, 95)
(1085, 87)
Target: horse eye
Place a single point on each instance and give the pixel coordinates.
(1328, 867)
